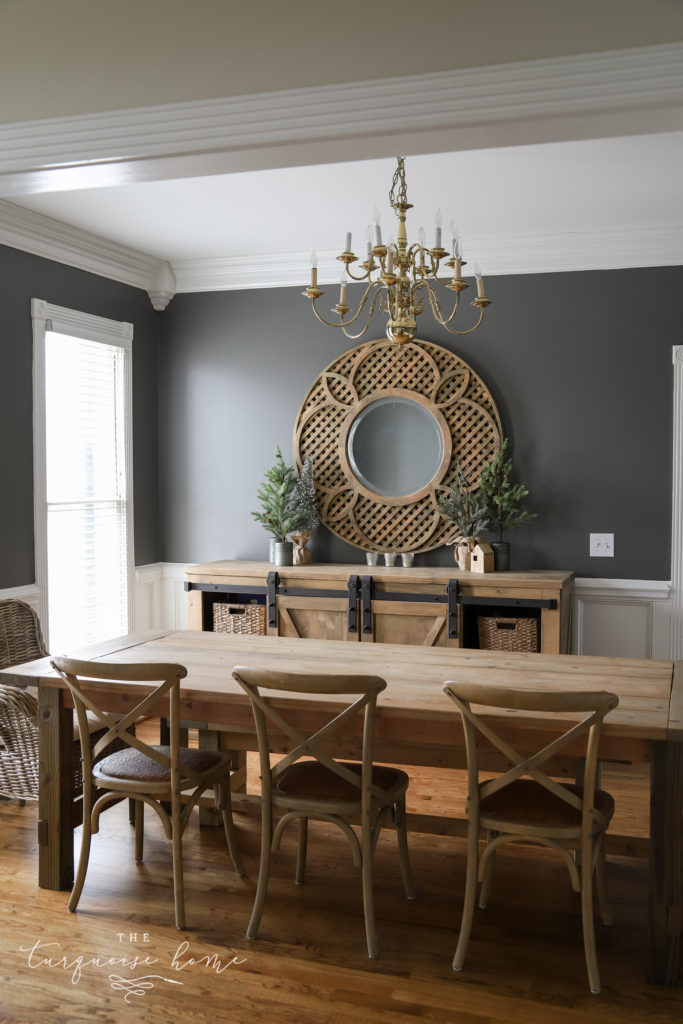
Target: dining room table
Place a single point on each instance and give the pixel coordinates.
(416, 725)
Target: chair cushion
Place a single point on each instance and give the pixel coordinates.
(132, 765)
(528, 802)
(312, 780)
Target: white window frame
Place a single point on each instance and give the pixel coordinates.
(48, 317)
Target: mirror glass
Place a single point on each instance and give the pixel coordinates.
(395, 447)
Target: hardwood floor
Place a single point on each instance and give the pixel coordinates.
(309, 964)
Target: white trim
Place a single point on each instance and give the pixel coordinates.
(30, 594)
(161, 600)
(651, 590)
(54, 240)
(607, 600)
(618, 92)
(528, 254)
(638, 89)
(46, 317)
(676, 637)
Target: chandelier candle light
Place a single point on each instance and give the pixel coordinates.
(399, 276)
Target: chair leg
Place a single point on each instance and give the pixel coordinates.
(263, 870)
(301, 852)
(84, 857)
(487, 880)
(224, 804)
(587, 920)
(178, 882)
(601, 885)
(139, 829)
(404, 859)
(470, 894)
(368, 900)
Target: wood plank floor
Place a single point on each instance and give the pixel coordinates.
(309, 964)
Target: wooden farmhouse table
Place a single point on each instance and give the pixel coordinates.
(416, 724)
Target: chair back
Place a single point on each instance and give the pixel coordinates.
(270, 720)
(94, 676)
(21, 638)
(592, 705)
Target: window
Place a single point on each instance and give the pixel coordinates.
(83, 500)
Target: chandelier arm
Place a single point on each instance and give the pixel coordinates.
(364, 277)
(436, 305)
(444, 323)
(371, 311)
(347, 323)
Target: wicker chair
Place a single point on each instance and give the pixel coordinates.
(21, 640)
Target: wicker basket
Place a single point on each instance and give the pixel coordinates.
(248, 619)
(501, 634)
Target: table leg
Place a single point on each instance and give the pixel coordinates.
(55, 791)
(666, 852)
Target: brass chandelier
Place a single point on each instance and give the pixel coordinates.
(400, 276)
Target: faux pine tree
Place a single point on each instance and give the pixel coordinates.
(503, 498)
(276, 494)
(464, 507)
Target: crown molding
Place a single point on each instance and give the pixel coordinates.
(583, 96)
(538, 254)
(599, 250)
(52, 239)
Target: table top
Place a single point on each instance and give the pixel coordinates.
(650, 692)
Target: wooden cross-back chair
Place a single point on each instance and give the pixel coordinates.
(149, 774)
(308, 783)
(524, 804)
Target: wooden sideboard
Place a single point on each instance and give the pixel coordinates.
(420, 606)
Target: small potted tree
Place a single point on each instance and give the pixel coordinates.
(276, 495)
(305, 514)
(467, 509)
(503, 502)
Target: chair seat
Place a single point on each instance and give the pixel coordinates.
(529, 803)
(133, 766)
(313, 781)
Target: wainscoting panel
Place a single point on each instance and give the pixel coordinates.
(622, 618)
(613, 618)
(160, 598)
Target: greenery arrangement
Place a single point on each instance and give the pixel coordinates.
(276, 495)
(464, 507)
(501, 497)
(288, 502)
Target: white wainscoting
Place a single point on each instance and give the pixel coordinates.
(160, 598)
(614, 618)
(623, 618)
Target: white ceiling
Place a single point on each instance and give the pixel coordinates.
(494, 195)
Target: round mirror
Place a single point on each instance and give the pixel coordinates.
(395, 447)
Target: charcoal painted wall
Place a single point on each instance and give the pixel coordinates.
(579, 365)
(23, 277)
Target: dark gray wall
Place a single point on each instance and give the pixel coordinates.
(23, 277)
(579, 365)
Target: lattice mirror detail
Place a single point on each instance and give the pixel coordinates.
(363, 423)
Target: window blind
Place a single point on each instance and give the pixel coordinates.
(86, 490)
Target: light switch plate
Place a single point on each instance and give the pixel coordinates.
(602, 545)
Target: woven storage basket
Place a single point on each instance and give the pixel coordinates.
(240, 618)
(502, 634)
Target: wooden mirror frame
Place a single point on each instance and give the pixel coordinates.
(351, 418)
(428, 374)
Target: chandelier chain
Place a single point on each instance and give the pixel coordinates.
(399, 180)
